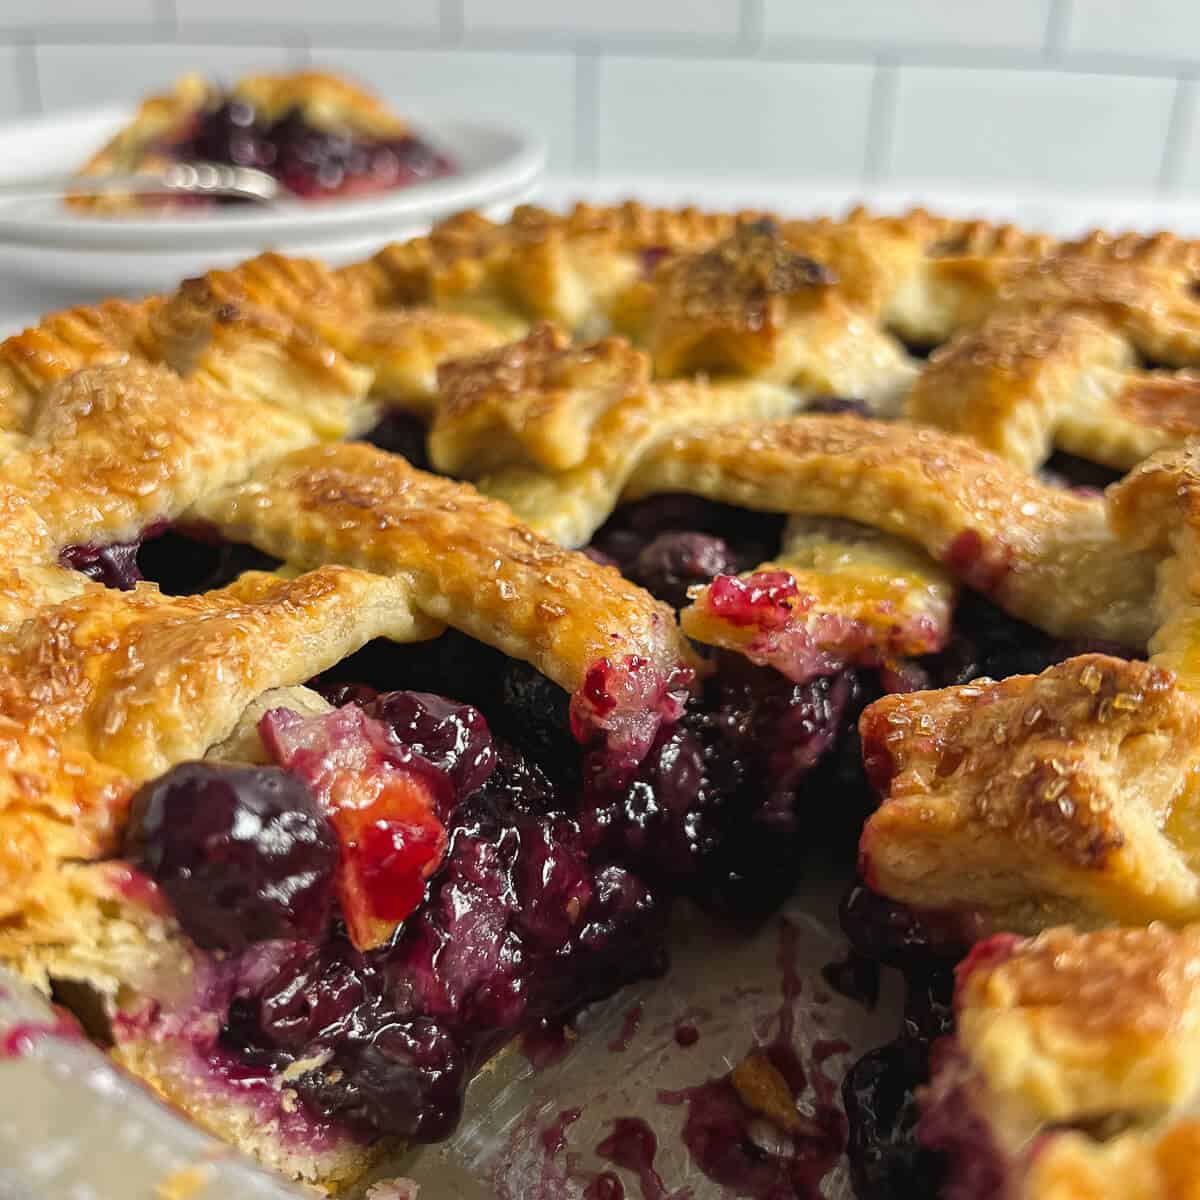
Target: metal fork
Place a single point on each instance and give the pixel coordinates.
(179, 179)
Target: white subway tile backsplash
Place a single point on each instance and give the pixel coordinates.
(76, 76)
(586, 17)
(1029, 128)
(1063, 93)
(902, 23)
(537, 90)
(297, 14)
(12, 99)
(76, 12)
(727, 117)
(1153, 28)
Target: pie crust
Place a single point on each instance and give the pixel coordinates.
(565, 365)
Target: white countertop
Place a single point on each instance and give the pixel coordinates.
(34, 282)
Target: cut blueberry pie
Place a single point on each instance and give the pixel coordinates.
(384, 650)
(320, 135)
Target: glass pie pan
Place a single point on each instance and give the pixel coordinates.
(73, 1126)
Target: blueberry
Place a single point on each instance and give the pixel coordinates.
(316, 995)
(988, 642)
(114, 565)
(454, 737)
(886, 1162)
(536, 716)
(401, 1078)
(659, 822)
(244, 854)
(671, 563)
(894, 934)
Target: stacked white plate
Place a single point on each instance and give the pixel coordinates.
(42, 239)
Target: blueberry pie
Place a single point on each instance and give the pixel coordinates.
(320, 135)
(384, 650)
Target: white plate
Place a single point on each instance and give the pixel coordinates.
(496, 163)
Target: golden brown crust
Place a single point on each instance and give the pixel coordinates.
(860, 596)
(753, 305)
(1030, 799)
(142, 681)
(31, 362)
(569, 506)
(466, 559)
(56, 803)
(1080, 1052)
(537, 266)
(1158, 505)
(112, 449)
(322, 327)
(725, 308)
(1043, 554)
(1069, 793)
(1010, 383)
(533, 401)
(251, 346)
(1150, 301)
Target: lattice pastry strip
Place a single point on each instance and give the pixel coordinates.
(31, 362)
(1157, 506)
(102, 444)
(538, 266)
(1023, 383)
(532, 402)
(111, 450)
(751, 305)
(1070, 795)
(141, 680)
(466, 559)
(292, 304)
(1145, 291)
(836, 593)
(1043, 554)
(1075, 1058)
(1085, 807)
(502, 414)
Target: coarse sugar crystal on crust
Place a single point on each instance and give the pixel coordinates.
(1069, 795)
(1074, 1067)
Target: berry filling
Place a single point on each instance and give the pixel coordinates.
(1066, 470)
(468, 906)
(312, 163)
(404, 434)
(383, 801)
(411, 885)
(887, 1161)
(182, 558)
(669, 543)
(244, 854)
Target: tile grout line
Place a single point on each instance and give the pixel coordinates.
(28, 81)
(880, 121)
(752, 21)
(587, 83)
(453, 22)
(1058, 29)
(1183, 111)
(166, 17)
